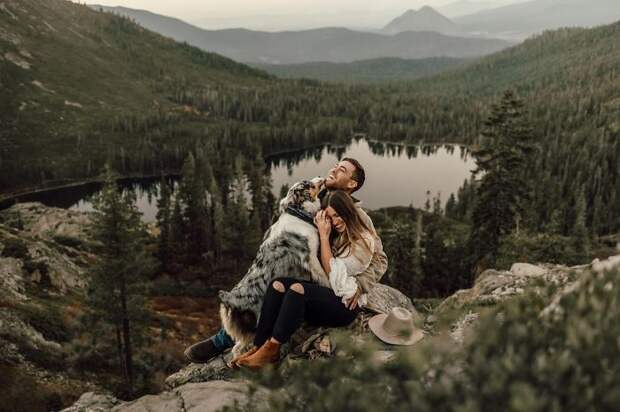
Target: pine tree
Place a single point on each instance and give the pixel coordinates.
(164, 212)
(115, 294)
(192, 194)
(451, 207)
(237, 217)
(503, 189)
(580, 230)
(177, 235)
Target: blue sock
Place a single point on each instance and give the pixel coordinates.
(222, 340)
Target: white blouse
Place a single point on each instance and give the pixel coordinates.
(345, 268)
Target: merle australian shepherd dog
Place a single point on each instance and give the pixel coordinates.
(289, 249)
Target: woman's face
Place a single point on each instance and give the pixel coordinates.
(337, 223)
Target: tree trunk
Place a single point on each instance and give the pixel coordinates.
(127, 336)
(121, 361)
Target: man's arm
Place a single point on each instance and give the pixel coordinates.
(379, 264)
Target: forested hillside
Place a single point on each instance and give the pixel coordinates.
(387, 69)
(569, 82)
(82, 87)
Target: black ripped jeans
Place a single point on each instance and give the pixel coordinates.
(282, 313)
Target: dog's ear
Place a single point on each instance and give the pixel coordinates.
(288, 200)
(297, 195)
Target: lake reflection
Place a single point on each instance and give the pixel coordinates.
(396, 175)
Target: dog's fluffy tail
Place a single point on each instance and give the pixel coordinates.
(237, 322)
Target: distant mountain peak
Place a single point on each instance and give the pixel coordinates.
(428, 8)
(424, 19)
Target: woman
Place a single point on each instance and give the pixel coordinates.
(347, 247)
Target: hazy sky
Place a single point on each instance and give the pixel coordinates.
(278, 14)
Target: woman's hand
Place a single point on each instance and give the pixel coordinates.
(323, 223)
(352, 303)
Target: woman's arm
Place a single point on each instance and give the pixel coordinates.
(326, 253)
(325, 228)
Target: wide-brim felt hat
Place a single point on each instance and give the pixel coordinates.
(396, 328)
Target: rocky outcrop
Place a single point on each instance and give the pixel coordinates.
(192, 397)
(12, 283)
(37, 220)
(48, 250)
(40, 259)
(492, 286)
(207, 387)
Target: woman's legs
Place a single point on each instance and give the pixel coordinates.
(316, 304)
(271, 308)
(303, 300)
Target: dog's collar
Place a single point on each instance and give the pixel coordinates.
(300, 214)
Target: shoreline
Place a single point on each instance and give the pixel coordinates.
(7, 199)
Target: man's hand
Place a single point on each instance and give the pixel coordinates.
(352, 303)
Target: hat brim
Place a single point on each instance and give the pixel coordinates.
(376, 326)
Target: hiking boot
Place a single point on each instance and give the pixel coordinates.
(233, 363)
(203, 352)
(267, 354)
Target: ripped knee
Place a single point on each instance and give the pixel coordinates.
(279, 286)
(297, 287)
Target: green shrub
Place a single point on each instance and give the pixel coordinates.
(69, 241)
(517, 362)
(15, 248)
(48, 321)
(539, 248)
(21, 392)
(31, 266)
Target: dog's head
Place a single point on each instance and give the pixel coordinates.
(304, 194)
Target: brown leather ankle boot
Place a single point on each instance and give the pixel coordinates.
(233, 363)
(266, 354)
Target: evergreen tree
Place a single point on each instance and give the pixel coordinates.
(115, 294)
(451, 207)
(177, 235)
(403, 273)
(502, 191)
(237, 219)
(192, 194)
(164, 212)
(580, 230)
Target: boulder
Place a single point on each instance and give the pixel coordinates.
(93, 402)
(382, 298)
(216, 369)
(607, 264)
(527, 269)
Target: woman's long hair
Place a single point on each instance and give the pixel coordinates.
(343, 204)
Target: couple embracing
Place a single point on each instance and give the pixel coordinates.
(350, 262)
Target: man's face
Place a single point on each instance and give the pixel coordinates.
(340, 177)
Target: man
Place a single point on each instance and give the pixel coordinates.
(347, 175)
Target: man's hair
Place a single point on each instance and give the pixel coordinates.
(359, 175)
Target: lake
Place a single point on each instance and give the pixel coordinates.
(396, 175)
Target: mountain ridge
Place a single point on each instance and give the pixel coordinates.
(520, 20)
(332, 44)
